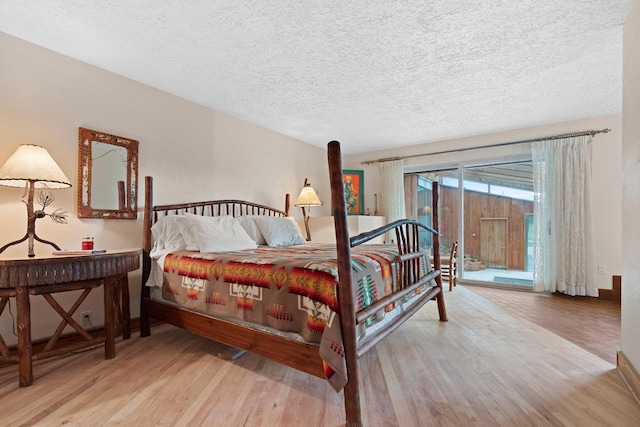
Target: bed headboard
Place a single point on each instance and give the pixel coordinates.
(230, 207)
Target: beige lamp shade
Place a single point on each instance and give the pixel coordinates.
(308, 197)
(32, 163)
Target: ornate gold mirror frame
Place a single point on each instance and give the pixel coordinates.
(107, 176)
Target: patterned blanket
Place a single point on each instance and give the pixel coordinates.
(291, 289)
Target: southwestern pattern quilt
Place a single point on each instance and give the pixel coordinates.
(291, 289)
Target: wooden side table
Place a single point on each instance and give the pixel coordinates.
(50, 274)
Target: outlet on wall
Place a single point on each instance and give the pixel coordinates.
(602, 269)
(86, 319)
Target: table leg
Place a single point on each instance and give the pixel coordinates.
(109, 321)
(126, 311)
(25, 369)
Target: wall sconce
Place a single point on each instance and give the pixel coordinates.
(31, 166)
(307, 198)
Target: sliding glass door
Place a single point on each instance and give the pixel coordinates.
(490, 215)
(418, 189)
(497, 200)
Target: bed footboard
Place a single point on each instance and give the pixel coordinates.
(412, 269)
(413, 279)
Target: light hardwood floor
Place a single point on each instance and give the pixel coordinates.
(484, 367)
(590, 323)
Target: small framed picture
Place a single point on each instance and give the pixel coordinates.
(353, 181)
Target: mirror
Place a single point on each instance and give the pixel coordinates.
(107, 175)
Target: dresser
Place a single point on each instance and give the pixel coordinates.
(323, 231)
(22, 277)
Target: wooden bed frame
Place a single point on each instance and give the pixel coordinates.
(298, 355)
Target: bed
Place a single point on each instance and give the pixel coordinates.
(315, 308)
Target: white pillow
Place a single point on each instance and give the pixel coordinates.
(279, 231)
(218, 234)
(167, 236)
(189, 236)
(249, 224)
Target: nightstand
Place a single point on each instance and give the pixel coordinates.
(49, 274)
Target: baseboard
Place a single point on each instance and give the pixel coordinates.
(615, 293)
(629, 374)
(605, 294)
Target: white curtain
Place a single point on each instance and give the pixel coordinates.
(563, 241)
(392, 189)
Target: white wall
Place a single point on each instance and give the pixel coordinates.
(607, 176)
(193, 153)
(631, 188)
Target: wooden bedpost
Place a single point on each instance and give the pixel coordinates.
(145, 328)
(442, 312)
(345, 295)
(287, 203)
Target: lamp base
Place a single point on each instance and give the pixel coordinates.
(31, 225)
(306, 223)
(30, 237)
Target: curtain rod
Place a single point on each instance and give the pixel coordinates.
(459, 150)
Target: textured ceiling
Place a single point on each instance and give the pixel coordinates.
(372, 74)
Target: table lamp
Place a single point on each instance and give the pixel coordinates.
(31, 166)
(307, 198)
